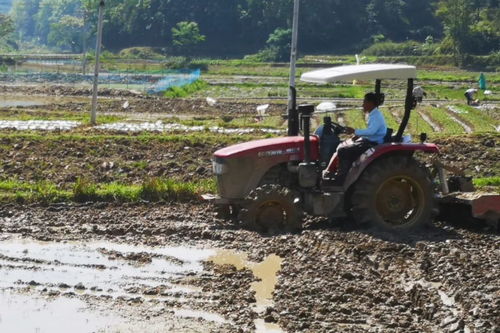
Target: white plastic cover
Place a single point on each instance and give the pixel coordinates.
(360, 72)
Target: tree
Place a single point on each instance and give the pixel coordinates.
(457, 20)
(67, 33)
(6, 26)
(186, 35)
(279, 43)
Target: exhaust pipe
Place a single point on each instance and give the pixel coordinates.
(306, 111)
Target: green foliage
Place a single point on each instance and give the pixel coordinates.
(242, 27)
(408, 48)
(470, 27)
(7, 43)
(66, 33)
(186, 35)
(84, 190)
(142, 53)
(6, 26)
(185, 91)
(153, 189)
(489, 181)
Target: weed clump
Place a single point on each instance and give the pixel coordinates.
(157, 189)
(84, 190)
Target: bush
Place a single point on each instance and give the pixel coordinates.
(265, 55)
(142, 53)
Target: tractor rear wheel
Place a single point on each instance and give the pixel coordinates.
(271, 209)
(394, 193)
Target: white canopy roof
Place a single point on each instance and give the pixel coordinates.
(360, 72)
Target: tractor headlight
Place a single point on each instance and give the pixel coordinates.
(219, 168)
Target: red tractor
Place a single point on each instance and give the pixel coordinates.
(269, 184)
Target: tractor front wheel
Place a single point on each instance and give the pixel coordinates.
(394, 193)
(272, 209)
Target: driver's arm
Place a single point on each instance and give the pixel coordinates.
(374, 123)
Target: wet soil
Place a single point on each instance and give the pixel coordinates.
(477, 155)
(114, 99)
(332, 277)
(127, 160)
(130, 160)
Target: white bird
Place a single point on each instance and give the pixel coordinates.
(261, 110)
(211, 101)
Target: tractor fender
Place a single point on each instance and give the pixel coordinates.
(381, 151)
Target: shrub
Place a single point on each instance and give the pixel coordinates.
(141, 53)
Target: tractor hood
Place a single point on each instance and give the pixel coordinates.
(291, 146)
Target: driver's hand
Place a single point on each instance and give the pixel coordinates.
(349, 130)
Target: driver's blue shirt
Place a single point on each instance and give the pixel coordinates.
(376, 130)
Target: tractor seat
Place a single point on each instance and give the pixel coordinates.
(388, 136)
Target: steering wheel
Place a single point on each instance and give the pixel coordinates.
(339, 129)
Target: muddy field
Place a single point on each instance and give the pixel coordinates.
(176, 267)
(156, 266)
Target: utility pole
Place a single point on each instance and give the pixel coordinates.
(97, 64)
(293, 119)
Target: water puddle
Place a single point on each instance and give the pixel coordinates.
(20, 313)
(47, 281)
(159, 126)
(98, 267)
(266, 272)
(43, 125)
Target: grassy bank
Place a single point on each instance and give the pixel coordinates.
(151, 190)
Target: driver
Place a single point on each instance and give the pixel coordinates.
(374, 134)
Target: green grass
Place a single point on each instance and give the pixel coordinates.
(389, 119)
(479, 119)
(189, 139)
(441, 117)
(43, 192)
(354, 119)
(153, 189)
(56, 115)
(445, 92)
(185, 91)
(489, 181)
(456, 76)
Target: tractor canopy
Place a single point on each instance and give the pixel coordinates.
(360, 72)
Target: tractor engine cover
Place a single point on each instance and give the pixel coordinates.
(240, 168)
